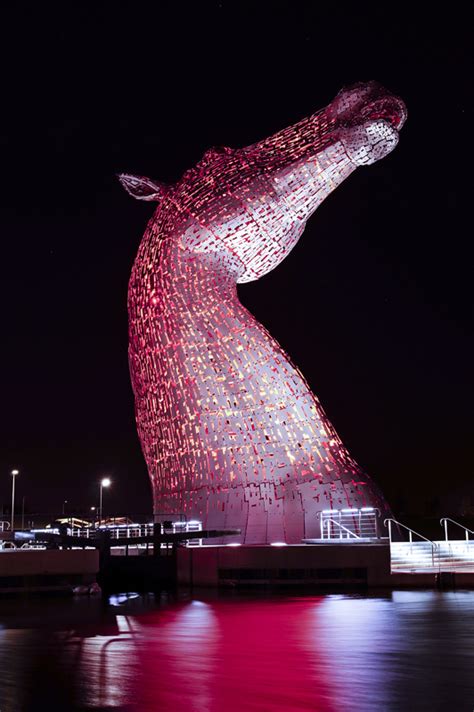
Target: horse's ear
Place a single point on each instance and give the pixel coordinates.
(142, 188)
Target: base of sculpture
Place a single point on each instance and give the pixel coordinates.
(267, 513)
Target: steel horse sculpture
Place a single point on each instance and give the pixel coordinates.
(230, 431)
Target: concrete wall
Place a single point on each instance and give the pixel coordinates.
(55, 561)
(200, 566)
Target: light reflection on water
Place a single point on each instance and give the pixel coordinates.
(410, 650)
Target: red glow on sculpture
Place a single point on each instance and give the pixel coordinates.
(230, 431)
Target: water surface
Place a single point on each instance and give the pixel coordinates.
(408, 650)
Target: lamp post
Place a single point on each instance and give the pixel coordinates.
(103, 483)
(64, 507)
(14, 473)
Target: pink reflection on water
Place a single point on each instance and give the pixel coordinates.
(178, 653)
(410, 650)
(212, 657)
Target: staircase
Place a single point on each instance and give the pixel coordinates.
(456, 556)
(417, 557)
(424, 556)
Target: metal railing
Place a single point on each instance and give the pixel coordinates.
(363, 522)
(342, 528)
(434, 546)
(119, 531)
(83, 519)
(124, 534)
(427, 556)
(410, 531)
(444, 523)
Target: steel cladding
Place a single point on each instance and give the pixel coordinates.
(231, 433)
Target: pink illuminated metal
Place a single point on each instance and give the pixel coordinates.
(230, 431)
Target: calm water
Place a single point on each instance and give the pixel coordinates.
(404, 651)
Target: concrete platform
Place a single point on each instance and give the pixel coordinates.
(42, 570)
(335, 564)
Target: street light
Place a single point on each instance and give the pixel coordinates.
(106, 482)
(14, 473)
(64, 507)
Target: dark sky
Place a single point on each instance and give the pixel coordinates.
(374, 304)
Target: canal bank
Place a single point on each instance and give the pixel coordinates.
(162, 556)
(324, 564)
(47, 570)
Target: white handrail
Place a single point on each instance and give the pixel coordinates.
(444, 522)
(412, 531)
(341, 526)
(434, 546)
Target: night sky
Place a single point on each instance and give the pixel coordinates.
(374, 304)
